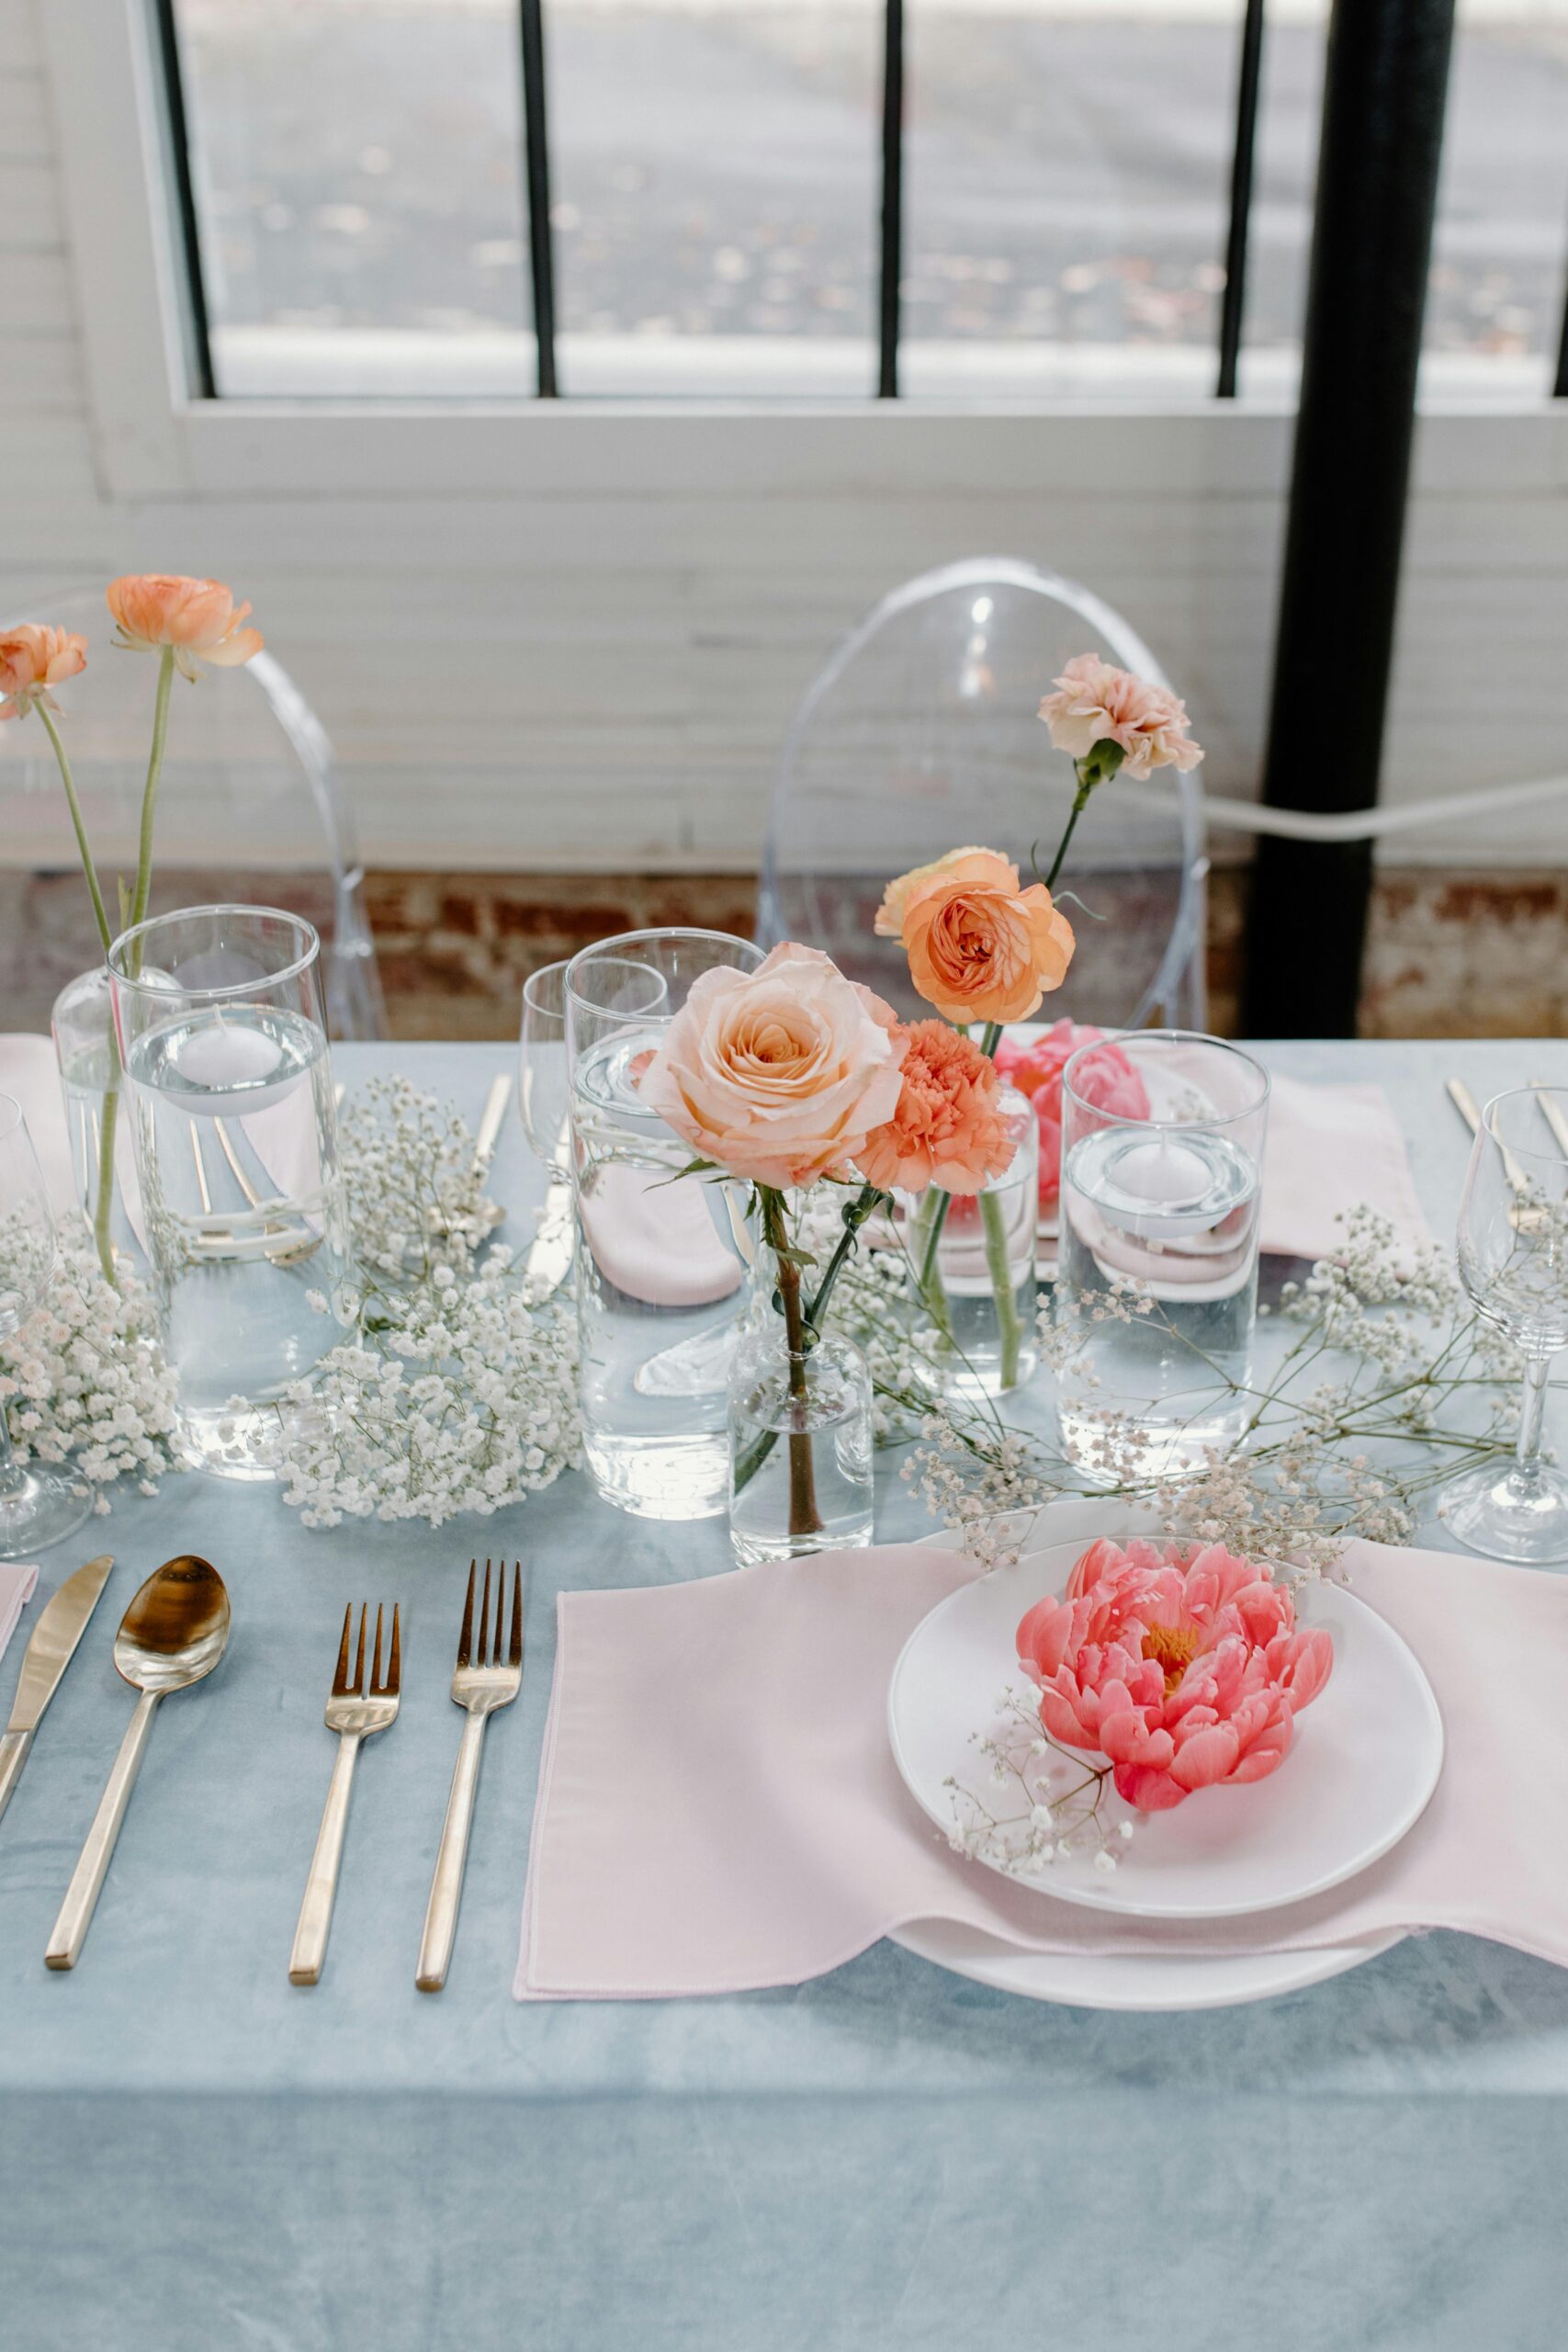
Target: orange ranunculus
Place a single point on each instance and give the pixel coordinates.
(947, 1129)
(33, 657)
(980, 948)
(195, 618)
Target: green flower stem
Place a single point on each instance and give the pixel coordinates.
(149, 802)
(104, 1199)
(99, 915)
(860, 1209)
(1009, 1324)
(804, 1519)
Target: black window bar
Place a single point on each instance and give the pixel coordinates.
(1248, 83)
(185, 225)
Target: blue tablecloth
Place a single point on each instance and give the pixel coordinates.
(195, 2156)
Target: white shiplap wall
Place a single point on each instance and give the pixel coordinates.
(598, 672)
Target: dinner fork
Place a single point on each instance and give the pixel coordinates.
(481, 1684)
(354, 1712)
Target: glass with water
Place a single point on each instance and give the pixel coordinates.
(1156, 1289)
(228, 1081)
(664, 1259)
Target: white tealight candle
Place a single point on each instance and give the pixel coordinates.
(218, 1056)
(1166, 1174)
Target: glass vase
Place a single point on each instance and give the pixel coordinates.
(664, 1259)
(800, 1448)
(978, 1288)
(82, 1024)
(228, 1083)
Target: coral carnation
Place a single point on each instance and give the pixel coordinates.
(947, 1129)
(1181, 1664)
(1095, 703)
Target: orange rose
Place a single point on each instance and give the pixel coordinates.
(195, 618)
(980, 948)
(32, 659)
(973, 864)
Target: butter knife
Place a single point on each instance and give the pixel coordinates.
(49, 1652)
(1465, 1104)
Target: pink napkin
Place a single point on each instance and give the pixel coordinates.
(719, 1807)
(655, 1240)
(1329, 1149)
(17, 1579)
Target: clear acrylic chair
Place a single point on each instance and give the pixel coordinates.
(249, 806)
(923, 733)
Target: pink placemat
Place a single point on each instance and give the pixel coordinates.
(719, 1810)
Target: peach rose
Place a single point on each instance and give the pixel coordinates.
(777, 1075)
(975, 863)
(947, 1129)
(980, 948)
(1095, 703)
(196, 619)
(32, 659)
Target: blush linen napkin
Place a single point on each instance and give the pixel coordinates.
(1330, 1149)
(17, 1581)
(719, 1809)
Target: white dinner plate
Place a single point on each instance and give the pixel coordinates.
(1132, 1980)
(1364, 1761)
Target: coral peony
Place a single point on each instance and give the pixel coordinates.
(947, 1129)
(32, 659)
(1108, 1079)
(778, 1075)
(980, 948)
(196, 619)
(1180, 1664)
(1095, 703)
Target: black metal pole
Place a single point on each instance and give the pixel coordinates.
(536, 166)
(1559, 384)
(189, 227)
(1385, 84)
(1248, 80)
(892, 199)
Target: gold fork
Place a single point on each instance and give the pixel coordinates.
(354, 1712)
(480, 1685)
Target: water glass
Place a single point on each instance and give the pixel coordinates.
(38, 1505)
(976, 1281)
(223, 1035)
(1513, 1261)
(1156, 1288)
(664, 1259)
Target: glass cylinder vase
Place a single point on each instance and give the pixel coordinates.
(223, 1035)
(664, 1257)
(82, 1025)
(976, 1284)
(800, 1448)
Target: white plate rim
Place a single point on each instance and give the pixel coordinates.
(1132, 1980)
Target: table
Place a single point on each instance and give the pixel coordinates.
(195, 2156)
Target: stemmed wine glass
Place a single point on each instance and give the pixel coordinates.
(38, 1505)
(1513, 1261)
(544, 1088)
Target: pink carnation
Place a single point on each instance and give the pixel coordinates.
(1096, 703)
(946, 1129)
(1180, 1664)
(1107, 1080)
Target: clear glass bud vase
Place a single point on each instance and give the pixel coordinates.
(82, 1025)
(978, 1283)
(800, 1446)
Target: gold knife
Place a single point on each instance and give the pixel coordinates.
(49, 1652)
(1464, 1103)
(1552, 1111)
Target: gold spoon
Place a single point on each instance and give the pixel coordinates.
(174, 1631)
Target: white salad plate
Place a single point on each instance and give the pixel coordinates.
(1156, 1981)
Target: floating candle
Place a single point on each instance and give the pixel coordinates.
(1166, 1174)
(222, 1055)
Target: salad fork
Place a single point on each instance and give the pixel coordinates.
(481, 1684)
(354, 1711)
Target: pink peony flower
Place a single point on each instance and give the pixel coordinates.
(1095, 703)
(781, 1074)
(1108, 1079)
(947, 1129)
(1180, 1664)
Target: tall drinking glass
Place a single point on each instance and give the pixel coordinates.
(1513, 1260)
(223, 1035)
(1156, 1289)
(663, 1259)
(38, 1505)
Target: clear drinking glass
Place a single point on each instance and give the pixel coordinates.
(663, 1259)
(82, 1024)
(223, 1035)
(38, 1505)
(1513, 1261)
(983, 1297)
(829, 1431)
(1156, 1287)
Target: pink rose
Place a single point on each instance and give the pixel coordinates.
(1180, 1663)
(1095, 703)
(778, 1075)
(1108, 1079)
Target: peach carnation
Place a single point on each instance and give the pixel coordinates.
(947, 1129)
(778, 1075)
(196, 619)
(1180, 1663)
(980, 948)
(1096, 703)
(33, 657)
(1108, 1079)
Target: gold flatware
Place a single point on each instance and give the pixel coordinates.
(489, 1214)
(1464, 1103)
(481, 1684)
(174, 1632)
(1552, 1111)
(355, 1712)
(45, 1659)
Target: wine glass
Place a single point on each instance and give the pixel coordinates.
(1513, 1261)
(38, 1505)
